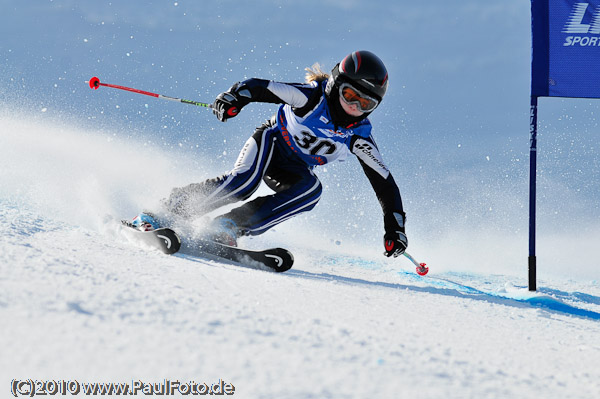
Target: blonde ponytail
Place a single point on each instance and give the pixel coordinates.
(315, 74)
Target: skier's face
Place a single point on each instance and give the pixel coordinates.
(351, 109)
(355, 102)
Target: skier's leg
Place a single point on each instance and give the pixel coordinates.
(297, 193)
(236, 185)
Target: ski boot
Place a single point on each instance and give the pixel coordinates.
(224, 231)
(145, 221)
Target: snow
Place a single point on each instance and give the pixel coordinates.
(80, 302)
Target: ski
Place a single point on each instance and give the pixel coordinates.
(167, 241)
(276, 259)
(163, 239)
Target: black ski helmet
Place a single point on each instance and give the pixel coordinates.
(362, 70)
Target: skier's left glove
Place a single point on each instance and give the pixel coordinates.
(230, 103)
(395, 243)
(394, 240)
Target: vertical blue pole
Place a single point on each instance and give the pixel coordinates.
(532, 191)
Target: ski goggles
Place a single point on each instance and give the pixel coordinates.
(350, 95)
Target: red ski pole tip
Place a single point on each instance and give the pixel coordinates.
(422, 269)
(94, 83)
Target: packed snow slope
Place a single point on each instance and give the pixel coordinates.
(80, 302)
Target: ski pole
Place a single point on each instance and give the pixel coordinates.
(95, 83)
(422, 269)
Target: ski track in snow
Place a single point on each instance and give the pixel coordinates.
(79, 302)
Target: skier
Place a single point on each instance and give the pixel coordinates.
(318, 122)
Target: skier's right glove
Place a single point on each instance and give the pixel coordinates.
(230, 103)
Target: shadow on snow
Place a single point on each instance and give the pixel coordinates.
(441, 286)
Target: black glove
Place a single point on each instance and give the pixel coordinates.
(230, 103)
(394, 240)
(395, 244)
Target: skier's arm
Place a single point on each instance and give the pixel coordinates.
(387, 193)
(228, 104)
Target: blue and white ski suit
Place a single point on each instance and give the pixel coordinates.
(283, 153)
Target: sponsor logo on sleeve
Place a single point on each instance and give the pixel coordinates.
(365, 151)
